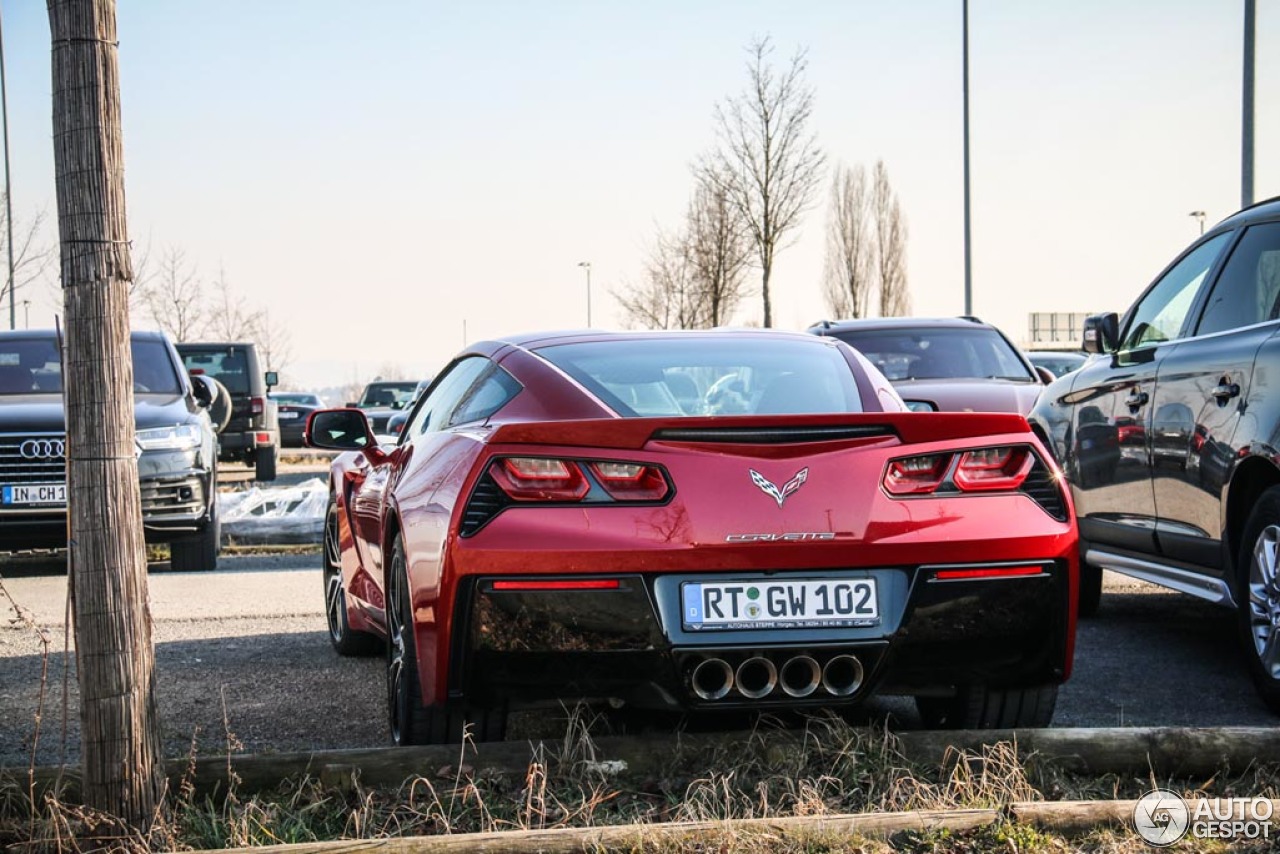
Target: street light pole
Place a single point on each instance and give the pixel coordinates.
(586, 265)
(1199, 215)
(1246, 129)
(8, 187)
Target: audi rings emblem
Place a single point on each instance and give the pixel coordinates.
(43, 449)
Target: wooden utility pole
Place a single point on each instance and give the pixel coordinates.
(119, 728)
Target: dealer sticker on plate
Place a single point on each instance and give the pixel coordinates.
(777, 604)
(34, 493)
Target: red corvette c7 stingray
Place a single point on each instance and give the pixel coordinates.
(693, 521)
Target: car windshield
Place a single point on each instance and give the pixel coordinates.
(296, 399)
(645, 377)
(229, 367)
(938, 353)
(1058, 363)
(387, 395)
(31, 366)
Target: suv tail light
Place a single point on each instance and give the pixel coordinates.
(257, 405)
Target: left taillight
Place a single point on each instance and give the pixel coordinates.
(523, 481)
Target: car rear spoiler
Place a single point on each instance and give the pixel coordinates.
(635, 433)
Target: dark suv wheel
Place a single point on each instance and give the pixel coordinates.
(1259, 616)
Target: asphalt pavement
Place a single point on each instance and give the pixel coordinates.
(242, 656)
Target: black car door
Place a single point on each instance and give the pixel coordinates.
(1205, 379)
(1109, 455)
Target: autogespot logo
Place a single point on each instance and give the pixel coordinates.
(1161, 817)
(42, 449)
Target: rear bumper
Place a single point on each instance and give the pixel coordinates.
(935, 635)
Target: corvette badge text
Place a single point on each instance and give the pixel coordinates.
(796, 537)
(1162, 818)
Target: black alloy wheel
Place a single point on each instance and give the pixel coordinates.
(345, 640)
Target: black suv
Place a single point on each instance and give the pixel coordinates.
(175, 439)
(1169, 434)
(252, 435)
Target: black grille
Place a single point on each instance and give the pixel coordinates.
(1046, 492)
(487, 501)
(17, 469)
(772, 435)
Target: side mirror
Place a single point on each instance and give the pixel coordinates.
(1046, 376)
(272, 378)
(203, 390)
(339, 430)
(1101, 333)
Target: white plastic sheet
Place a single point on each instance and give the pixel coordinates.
(275, 514)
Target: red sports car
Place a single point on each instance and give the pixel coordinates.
(695, 521)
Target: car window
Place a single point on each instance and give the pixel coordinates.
(1160, 315)
(444, 398)
(486, 397)
(659, 377)
(229, 367)
(1248, 291)
(31, 366)
(978, 352)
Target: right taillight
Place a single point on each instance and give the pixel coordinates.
(993, 469)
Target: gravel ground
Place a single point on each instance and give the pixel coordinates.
(244, 650)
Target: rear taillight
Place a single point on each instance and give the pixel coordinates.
(558, 584)
(998, 469)
(631, 481)
(916, 475)
(511, 481)
(993, 469)
(257, 405)
(540, 479)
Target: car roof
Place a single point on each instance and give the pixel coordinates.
(1256, 212)
(534, 340)
(136, 334)
(874, 323)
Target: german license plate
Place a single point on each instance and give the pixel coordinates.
(285, 416)
(777, 604)
(34, 493)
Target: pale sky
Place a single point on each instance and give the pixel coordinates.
(382, 173)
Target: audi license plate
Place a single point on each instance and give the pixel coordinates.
(34, 493)
(775, 604)
(285, 416)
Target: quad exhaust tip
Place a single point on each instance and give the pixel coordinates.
(800, 676)
(712, 679)
(842, 675)
(756, 677)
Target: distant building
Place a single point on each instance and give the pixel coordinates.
(1054, 330)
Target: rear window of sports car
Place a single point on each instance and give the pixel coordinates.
(660, 377)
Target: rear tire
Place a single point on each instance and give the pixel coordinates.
(199, 552)
(264, 464)
(345, 640)
(411, 721)
(1258, 566)
(978, 707)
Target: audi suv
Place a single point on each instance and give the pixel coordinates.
(176, 448)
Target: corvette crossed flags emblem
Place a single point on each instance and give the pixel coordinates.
(779, 495)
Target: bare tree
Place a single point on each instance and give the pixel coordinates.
(891, 246)
(33, 254)
(667, 298)
(718, 252)
(229, 316)
(767, 161)
(174, 296)
(274, 342)
(120, 732)
(849, 277)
